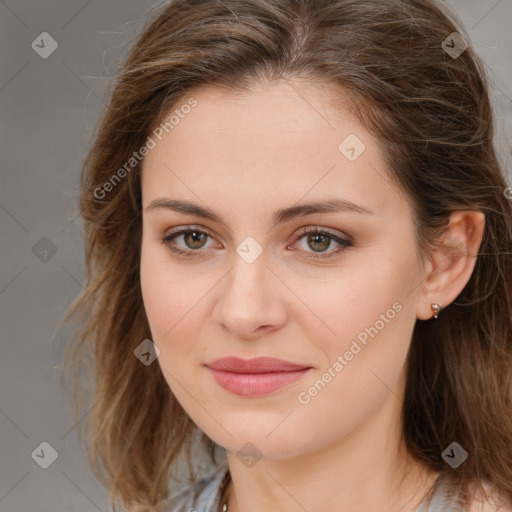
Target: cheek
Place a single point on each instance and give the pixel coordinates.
(368, 320)
(160, 294)
(348, 308)
(363, 363)
(155, 300)
(172, 301)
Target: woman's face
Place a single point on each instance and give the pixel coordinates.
(341, 304)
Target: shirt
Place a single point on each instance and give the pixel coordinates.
(206, 493)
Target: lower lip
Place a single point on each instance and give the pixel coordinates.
(255, 384)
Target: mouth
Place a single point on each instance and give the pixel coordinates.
(255, 377)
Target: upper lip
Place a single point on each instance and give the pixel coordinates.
(256, 365)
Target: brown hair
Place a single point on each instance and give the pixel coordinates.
(433, 117)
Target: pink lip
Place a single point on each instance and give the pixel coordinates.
(257, 376)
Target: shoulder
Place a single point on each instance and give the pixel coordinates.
(487, 506)
(201, 496)
(487, 502)
(479, 498)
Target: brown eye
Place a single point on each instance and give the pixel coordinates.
(194, 240)
(319, 243)
(319, 240)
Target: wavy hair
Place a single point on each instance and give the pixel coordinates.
(432, 114)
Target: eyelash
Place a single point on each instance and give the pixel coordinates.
(345, 244)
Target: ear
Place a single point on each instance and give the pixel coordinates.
(451, 264)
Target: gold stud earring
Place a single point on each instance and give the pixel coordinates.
(436, 308)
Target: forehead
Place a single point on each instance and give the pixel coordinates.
(283, 117)
(279, 142)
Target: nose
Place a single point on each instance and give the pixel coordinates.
(250, 300)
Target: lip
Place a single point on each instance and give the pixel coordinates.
(256, 365)
(255, 377)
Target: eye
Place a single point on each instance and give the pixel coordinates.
(320, 240)
(194, 240)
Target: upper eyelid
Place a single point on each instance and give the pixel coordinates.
(181, 230)
(300, 231)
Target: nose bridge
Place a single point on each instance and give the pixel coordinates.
(249, 266)
(248, 282)
(249, 300)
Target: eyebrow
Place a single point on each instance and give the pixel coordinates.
(279, 216)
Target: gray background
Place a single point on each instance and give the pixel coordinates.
(48, 108)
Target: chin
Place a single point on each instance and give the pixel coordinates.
(255, 443)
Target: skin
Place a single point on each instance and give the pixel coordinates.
(244, 156)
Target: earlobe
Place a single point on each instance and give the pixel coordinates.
(451, 263)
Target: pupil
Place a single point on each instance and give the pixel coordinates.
(315, 238)
(195, 238)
